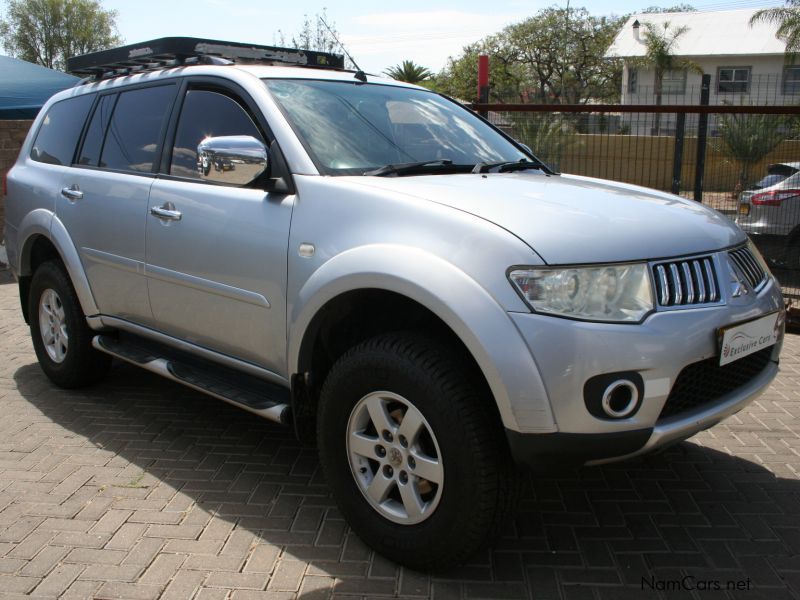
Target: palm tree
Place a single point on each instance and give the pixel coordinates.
(660, 42)
(747, 139)
(787, 18)
(550, 139)
(409, 72)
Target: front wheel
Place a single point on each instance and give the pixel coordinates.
(412, 448)
(61, 338)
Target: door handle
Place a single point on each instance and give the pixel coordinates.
(166, 212)
(72, 192)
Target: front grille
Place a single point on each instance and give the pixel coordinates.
(686, 282)
(748, 267)
(705, 382)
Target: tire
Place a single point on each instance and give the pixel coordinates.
(61, 338)
(793, 255)
(459, 430)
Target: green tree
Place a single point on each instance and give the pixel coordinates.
(408, 71)
(554, 57)
(787, 18)
(459, 78)
(748, 138)
(660, 41)
(47, 32)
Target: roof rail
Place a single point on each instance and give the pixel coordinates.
(177, 51)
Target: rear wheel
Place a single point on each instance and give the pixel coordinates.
(61, 338)
(413, 450)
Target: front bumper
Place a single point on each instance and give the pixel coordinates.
(560, 449)
(568, 353)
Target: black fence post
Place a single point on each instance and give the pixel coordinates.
(677, 158)
(702, 138)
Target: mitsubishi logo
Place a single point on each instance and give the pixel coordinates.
(738, 285)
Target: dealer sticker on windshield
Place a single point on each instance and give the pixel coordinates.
(740, 340)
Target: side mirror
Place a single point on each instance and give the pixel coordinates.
(231, 159)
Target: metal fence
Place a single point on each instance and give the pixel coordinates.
(739, 159)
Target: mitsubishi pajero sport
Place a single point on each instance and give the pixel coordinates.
(382, 269)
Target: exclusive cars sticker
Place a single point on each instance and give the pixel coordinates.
(740, 340)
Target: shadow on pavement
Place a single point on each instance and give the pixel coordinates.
(690, 517)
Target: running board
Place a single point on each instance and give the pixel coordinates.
(260, 397)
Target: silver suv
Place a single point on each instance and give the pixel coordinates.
(380, 268)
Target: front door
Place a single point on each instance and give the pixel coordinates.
(216, 267)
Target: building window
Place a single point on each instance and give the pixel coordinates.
(674, 82)
(633, 78)
(791, 80)
(732, 80)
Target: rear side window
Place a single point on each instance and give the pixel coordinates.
(93, 143)
(134, 132)
(206, 114)
(58, 135)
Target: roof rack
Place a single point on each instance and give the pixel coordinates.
(178, 51)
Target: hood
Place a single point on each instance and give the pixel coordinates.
(568, 219)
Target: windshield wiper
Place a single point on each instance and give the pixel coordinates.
(511, 165)
(400, 169)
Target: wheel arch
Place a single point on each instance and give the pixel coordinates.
(438, 295)
(43, 237)
(794, 236)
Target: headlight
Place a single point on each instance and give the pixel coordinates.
(613, 293)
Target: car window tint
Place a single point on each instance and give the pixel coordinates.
(58, 135)
(133, 135)
(206, 114)
(93, 143)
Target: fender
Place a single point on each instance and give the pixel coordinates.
(469, 310)
(44, 222)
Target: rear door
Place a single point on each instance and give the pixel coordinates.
(217, 276)
(105, 206)
(40, 181)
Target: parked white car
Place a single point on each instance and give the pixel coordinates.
(770, 213)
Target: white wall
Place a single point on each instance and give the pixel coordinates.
(766, 77)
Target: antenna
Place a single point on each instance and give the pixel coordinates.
(360, 75)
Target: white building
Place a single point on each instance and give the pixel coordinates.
(746, 63)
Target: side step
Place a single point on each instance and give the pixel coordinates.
(240, 389)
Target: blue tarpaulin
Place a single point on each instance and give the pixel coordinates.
(25, 87)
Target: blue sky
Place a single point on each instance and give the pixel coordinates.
(378, 35)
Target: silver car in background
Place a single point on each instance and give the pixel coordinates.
(769, 212)
(376, 266)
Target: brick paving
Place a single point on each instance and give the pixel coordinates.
(139, 488)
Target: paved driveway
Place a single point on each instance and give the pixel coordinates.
(139, 488)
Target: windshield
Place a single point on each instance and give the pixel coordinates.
(351, 128)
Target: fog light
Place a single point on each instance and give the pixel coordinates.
(614, 396)
(620, 399)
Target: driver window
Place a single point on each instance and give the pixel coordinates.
(206, 114)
